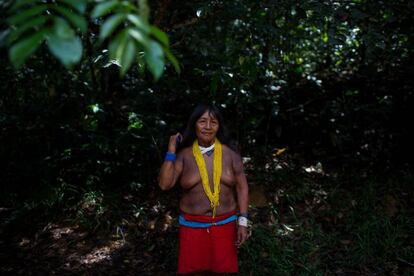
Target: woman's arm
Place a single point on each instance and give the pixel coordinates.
(171, 170)
(242, 187)
(242, 190)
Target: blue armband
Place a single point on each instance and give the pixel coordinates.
(170, 156)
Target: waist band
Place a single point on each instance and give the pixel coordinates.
(197, 224)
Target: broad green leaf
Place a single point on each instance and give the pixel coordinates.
(140, 37)
(68, 51)
(127, 56)
(115, 46)
(104, 8)
(160, 35)
(172, 59)
(144, 10)
(19, 3)
(79, 5)
(137, 21)
(77, 20)
(20, 51)
(128, 7)
(33, 23)
(155, 59)
(62, 29)
(26, 14)
(110, 24)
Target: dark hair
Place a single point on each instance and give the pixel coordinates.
(189, 134)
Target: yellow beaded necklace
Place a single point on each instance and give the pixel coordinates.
(214, 197)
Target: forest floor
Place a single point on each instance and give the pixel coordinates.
(306, 222)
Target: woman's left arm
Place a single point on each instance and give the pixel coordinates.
(242, 190)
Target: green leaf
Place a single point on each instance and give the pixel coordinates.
(144, 10)
(79, 5)
(115, 46)
(137, 21)
(172, 59)
(18, 3)
(26, 14)
(104, 8)
(123, 50)
(62, 29)
(127, 56)
(77, 20)
(160, 35)
(68, 51)
(33, 23)
(140, 37)
(110, 24)
(20, 51)
(155, 59)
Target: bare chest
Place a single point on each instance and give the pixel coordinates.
(191, 176)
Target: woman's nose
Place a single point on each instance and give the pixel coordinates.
(208, 124)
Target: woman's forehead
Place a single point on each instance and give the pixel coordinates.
(208, 114)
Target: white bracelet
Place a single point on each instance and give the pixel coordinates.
(242, 221)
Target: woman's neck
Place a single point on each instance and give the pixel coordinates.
(205, 143)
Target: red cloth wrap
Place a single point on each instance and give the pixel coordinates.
(208, 249)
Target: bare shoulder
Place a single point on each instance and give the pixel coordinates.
(185, 152)
(235, 156)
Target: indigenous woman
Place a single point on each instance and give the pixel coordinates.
(214, 202)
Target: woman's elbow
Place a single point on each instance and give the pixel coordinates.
(164, 185)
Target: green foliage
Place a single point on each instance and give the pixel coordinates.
(63, 25)
(332, 81)
(362, 235)
(136, 36)
(50, 22)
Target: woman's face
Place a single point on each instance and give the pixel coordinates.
(206, 128)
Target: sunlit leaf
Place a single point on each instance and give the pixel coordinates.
(137, 21)
(104, 8)
(68, 51)
(64, 44)
(140, 37)
(110, 24)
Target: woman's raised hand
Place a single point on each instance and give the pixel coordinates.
(172, 145)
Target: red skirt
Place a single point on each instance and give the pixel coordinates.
(208, 249)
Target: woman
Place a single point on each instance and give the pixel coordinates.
(214, 186)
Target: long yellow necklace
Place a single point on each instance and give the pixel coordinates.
(214, 197)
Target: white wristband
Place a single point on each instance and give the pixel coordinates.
(242, 221)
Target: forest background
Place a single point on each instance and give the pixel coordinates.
(317, 95)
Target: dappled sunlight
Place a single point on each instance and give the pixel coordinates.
(102, 253)
(314, 168)
(315, 97)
